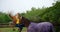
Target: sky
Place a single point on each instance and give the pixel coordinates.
(21, 6)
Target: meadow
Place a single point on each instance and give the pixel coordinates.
(11, 30)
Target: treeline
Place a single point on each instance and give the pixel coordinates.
(51, 14)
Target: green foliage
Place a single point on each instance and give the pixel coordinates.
(34, 14)
(4, 18)
(53, 13)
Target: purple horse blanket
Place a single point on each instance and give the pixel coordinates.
(40, 27)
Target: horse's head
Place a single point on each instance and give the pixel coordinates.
(25, 21)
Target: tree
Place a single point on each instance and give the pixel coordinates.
(4, 18)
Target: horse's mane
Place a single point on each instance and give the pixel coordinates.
(25, 21)
(23, 18)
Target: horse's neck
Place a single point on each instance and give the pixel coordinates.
(26, 22)
(30, 24)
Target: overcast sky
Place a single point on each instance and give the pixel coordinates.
(23, 5)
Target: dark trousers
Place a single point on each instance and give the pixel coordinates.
(20, 26)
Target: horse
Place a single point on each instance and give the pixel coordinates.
(32, 26)
(37, 27)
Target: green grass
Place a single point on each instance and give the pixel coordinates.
(11, 30)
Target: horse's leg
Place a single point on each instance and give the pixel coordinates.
(19, 29)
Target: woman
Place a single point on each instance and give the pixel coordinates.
(17, 22)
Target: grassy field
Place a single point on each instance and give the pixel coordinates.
(10, 30)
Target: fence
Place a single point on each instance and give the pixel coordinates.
(3, 25)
